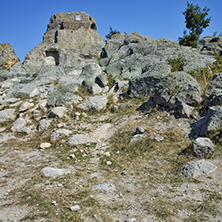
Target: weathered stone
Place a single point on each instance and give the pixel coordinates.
(210, 122)
(198, 168)
(25, 106)
(136, 138)
(8, 57)
(90, 72)
(101, 80)
(96, 103)
(78, 139)
(60, 133)
(91, 87)
(7, 115)
(45, 145)
(202, 146)
(54, 172)
(213, 91)
(57, 112)
(71, 38)
(139, 130)
(210, 45)
(18, 124)
(43, 124)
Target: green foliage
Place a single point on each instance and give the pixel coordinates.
(176, 64)
(196, 21)
(111, 32)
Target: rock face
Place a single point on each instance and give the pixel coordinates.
(70, 39)
(8, 57)
(210, 45)
(210, 122)
(213, 91)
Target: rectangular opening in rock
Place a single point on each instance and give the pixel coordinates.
(53, 54)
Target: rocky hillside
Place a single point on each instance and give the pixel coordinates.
(124, 130)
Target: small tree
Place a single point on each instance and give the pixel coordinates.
(111, 32)
(196, 21)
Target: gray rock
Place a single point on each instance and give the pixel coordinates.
(25, 106)
(7, 115)
(145, 85)
(105, 187)
(159, 138)
(210, 122)
(198, 168)
(210, 45)
(18, 125)
(64, 96)
(96, 103)
(60, 133)
(136, 138)
(78, 139)
(43, 124)
(75, 208)
(202, 146)
(57, 112)
(91, 87)
(17, 69)
(213, 91)
(101, 80)
(90, 71)
(54, 172)
(139, 130)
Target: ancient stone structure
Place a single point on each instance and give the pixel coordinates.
(70, 39)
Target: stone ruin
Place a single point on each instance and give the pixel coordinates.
(70, 39)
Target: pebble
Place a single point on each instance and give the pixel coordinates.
(44, 145)
(158, 138)
(72, 156)
(75, 208)
(107, 154)
(108, 163)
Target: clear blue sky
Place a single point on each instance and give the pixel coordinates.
(23, 22)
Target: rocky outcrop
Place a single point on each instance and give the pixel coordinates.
(213, 91)
(8, 57)
(71, 39)
(210, 45)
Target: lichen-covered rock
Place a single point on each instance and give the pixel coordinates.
(96, 103)
(198, 168)
(213, 91)
(7, 115)
(60, 133)
(212, 121)
(202, 146)
(8, 57)
(210, 45)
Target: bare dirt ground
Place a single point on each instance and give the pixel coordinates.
(110, 180)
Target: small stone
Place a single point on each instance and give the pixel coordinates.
(108, 163)
(44, 145)
(139, 130)
(72, 156)
(123, 173)
(159, 138)
(107, 154)
(84, 114)
(54, 203)
(75, 208)
(25, 106)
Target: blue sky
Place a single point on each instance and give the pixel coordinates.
(23, 22)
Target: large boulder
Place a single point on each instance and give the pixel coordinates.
(8, 57)
(70, 40)
(96, 103)
(213, 91)
(210, 45)
(212, 121)
(202, 146)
